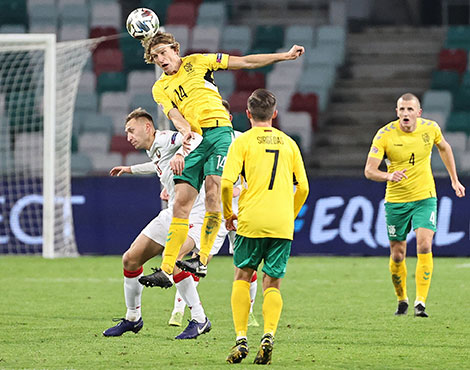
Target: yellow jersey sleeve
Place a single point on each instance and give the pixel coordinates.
(377, 149)
(161, 98)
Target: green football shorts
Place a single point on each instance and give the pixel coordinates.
(249, 252)
(209, 157)
(401, 217)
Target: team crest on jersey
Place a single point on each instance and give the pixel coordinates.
(188, 67)
(425, 137)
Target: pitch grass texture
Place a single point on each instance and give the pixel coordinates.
(338, 313)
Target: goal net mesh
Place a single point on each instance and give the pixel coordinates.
(22, 70)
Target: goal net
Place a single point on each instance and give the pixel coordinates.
(38, 85)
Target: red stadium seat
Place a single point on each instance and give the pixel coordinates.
(182, 13)
(108, 60)
(306, 103)
(105, 31)
(249, 80)
(119, 144)
(453, 60)
(238, 101)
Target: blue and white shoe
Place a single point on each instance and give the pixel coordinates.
(195, 329)
(123, 326)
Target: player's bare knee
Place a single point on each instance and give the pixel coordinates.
(128, 262)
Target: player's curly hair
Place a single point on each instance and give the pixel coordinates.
(160, 38)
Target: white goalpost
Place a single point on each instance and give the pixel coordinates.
(38, 84)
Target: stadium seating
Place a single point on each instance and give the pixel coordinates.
(40, 14)
(87, 82)
(458, 141)
(299, 35)
(30, 160)
(212, 14)
(13, 12)
(181, 14)
(97, 123)
(437, 101)
(238, 101)
(459, 121)
(74, 14)
(299, 124)
(225, 81)
(458, 37)
(99, 31)
(306, 103)
(86, 103)
(445, 80)
(111, 81)
(136, 158)
(103, 162)
(80, 164)
(240, 121)
(119, 144)
(462, 99)
(453, 60)
(105, 13)
(140, 82)
(205, 38)
(249, 80)
(94, 142)
(269, 37)
(236, 38)
(107, 60)
(73, 32)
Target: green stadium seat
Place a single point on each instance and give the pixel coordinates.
(13, 12)
(236, 38)
(240, 122)
(269, 37)
(112, 81)
(462, 99)
(458, 37)
(459, 121)
(445, 80)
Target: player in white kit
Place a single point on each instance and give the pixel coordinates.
(166, 152)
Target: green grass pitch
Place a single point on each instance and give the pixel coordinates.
(338, 313)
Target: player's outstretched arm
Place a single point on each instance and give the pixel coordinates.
(260, 60)
(119, 170)
(447, 156)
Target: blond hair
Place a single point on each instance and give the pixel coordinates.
(160, 38)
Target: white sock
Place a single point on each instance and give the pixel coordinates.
(133, 296)
(253, 289)
(179, 304)
(188, 291)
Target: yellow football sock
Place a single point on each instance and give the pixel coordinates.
(210, 228)
(424, 268)
(177, 234)
(272, 307)
(240, 306)
(398, 271)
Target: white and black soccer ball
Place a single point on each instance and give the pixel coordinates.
(142, 23)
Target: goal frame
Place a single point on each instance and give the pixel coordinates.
(46, 42)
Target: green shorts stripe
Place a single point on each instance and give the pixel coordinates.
(401, 217)
(209, 157)
(249, 252)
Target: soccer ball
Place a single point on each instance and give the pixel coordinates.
(142, 23)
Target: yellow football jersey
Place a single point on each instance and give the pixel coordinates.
(270, 164)
(411, 151)
(193, 92)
